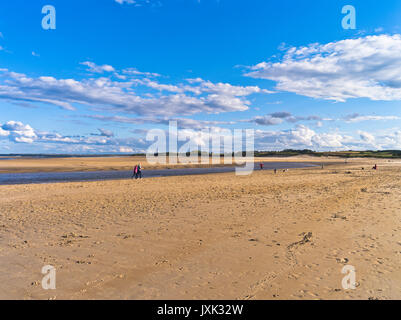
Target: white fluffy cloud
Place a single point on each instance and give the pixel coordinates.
(359, 118)
(223, 88)
(301, 137)
(104, 133)
(119, 96)
(136, 72)
(367, 137)
(368, 67)
(4, 133)
(391, 140)
(126, 150)
(139, 3)
(18, 132)
(125, 1)
(182, 123)
(93, 67)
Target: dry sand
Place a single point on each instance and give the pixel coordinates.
(264, 236)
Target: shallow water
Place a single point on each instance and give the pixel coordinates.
(50, 177)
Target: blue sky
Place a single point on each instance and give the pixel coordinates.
(112, 70)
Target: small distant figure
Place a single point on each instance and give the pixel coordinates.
(261, 166)
(275, 171)
(375, 167)
(322, 166)
(135, 173)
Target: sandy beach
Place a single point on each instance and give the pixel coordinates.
(219, 236)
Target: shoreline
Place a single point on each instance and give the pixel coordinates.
(83, 176)
(127, 163)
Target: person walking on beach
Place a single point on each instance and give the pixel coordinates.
(261, 165)
(135, 173)
(139, 172)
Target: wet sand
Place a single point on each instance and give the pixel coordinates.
(264, 236)
(51, 177)
(120, 164)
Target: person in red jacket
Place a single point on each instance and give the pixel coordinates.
(135, 173)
